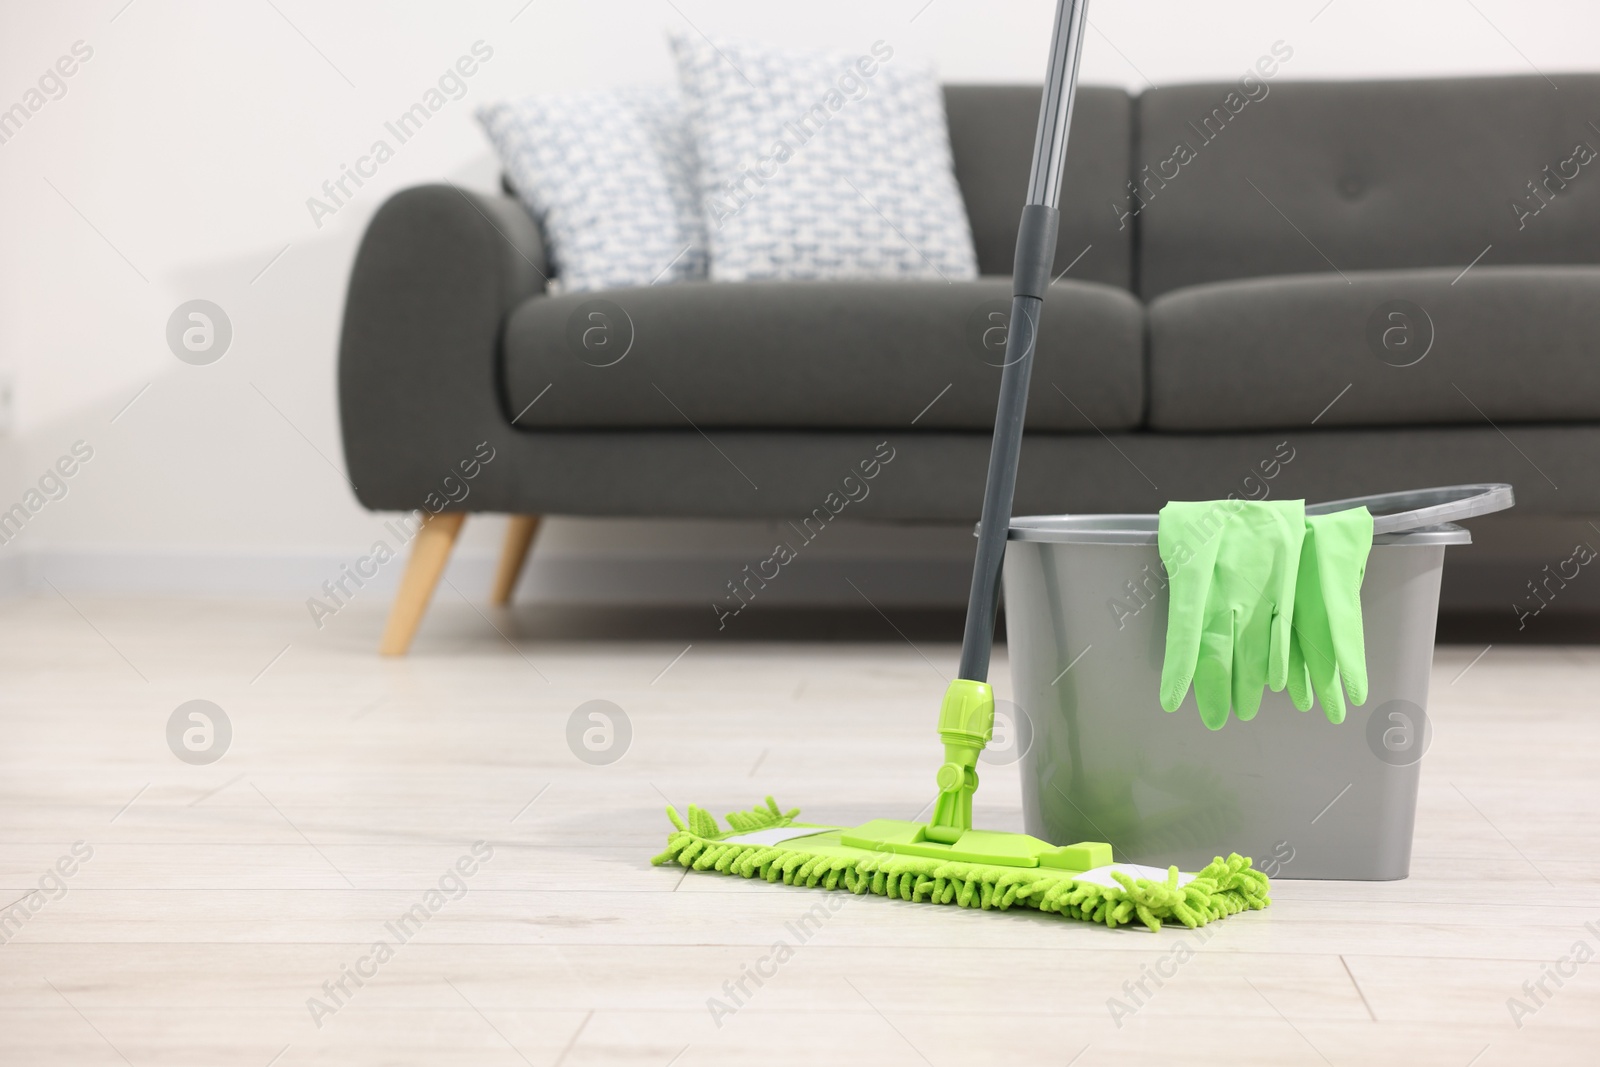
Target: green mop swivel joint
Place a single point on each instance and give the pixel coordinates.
(966, 722)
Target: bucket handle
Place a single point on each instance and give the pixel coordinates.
(1414, 509)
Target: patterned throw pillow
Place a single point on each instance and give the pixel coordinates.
(610, 176)
(822, 165)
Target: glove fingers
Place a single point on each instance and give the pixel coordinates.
(1349, 648)
(1285, 579)
(1280, 654)
(1299, 681)
(1316, 652)
(1177, 671)
(1213, 683)
(1189, 560)
(1343, 543)
(1249, 668)
(1333, 701)
(1324, 671)
(1307, 618)
(1355, 680)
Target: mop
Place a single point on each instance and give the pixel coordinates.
(945, 860)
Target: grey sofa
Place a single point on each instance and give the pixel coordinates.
(1399, 279)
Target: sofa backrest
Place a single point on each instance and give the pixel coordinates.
(1362, 175)
(992, 131)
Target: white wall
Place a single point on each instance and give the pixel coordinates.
(178, 164)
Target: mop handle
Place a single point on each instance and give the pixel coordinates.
(1036, 246)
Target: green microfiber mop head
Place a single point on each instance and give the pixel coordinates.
(820, 857)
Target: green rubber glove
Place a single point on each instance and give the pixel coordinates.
(1232, 567)
(1329, 646)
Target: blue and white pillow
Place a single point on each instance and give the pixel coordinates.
(610, 175)
(821, 165)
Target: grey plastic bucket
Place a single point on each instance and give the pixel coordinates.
(1086, 621)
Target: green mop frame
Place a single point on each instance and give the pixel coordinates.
(946, 861)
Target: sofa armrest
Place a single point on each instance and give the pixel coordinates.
(438, 270)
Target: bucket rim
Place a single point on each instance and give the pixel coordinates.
(1141, 529)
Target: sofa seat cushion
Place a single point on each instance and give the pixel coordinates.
(813, 355)
(1383, 348)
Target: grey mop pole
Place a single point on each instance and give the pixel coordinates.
(1036, 247)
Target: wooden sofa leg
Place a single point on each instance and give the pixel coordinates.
(430, 551)
(519, 538)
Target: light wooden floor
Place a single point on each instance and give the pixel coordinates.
(220, 898)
